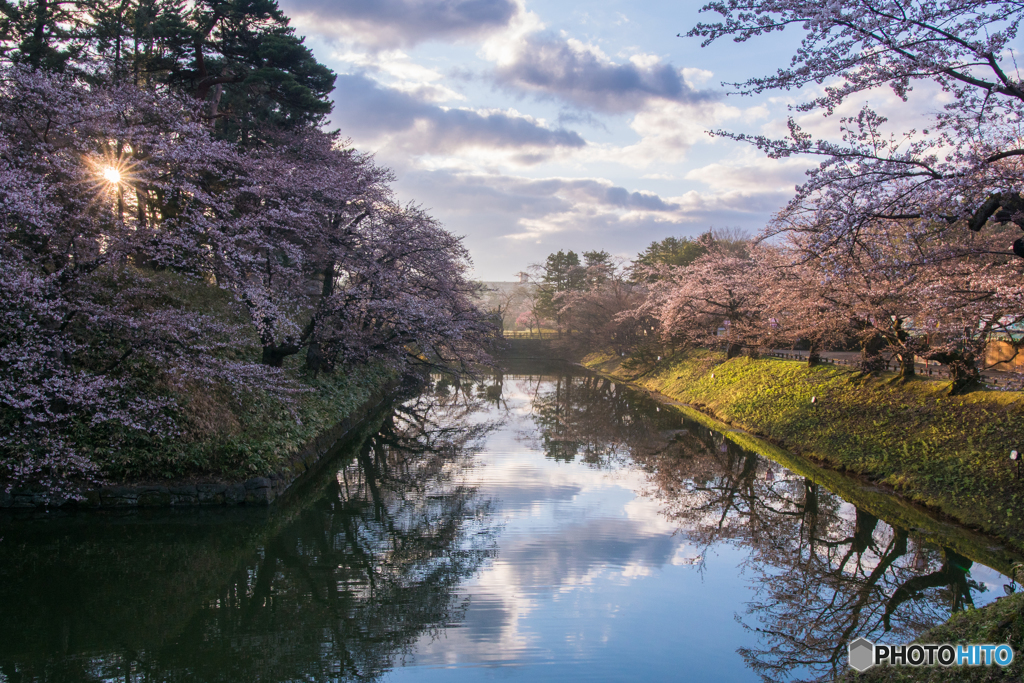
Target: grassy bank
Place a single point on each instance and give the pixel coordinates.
(235, 437)
(1000, 622)
(950, 453)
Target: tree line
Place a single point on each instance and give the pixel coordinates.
(901, 243)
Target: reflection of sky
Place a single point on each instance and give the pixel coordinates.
(590, 581)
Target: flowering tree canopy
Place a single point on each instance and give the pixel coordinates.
(964, 169)
(140, 254)
(85, 329)
(716, 298)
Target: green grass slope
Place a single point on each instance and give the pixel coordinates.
(950, 453)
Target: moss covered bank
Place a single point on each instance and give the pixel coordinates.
(229, 450)
(949, 453)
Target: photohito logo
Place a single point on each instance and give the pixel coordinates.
(864, 654)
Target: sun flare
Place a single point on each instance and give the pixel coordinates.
(111, 175)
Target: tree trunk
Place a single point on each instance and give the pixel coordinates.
(813, 355)
(315, 358)
(871, 359)
(907, 370)
(964, 374)
(963, 371)
(732, 350)
(274, 354)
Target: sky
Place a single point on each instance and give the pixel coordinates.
(530, 127)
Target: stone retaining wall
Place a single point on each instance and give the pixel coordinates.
(255, 491)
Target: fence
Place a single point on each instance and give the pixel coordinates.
(524, 334)
(1003, 381)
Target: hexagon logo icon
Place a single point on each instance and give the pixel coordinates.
(862, 654)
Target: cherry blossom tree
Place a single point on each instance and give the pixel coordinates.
(800, 305)
(963, 169)
(402, 294)
(96, 278)
(946, 309)
(528, 319)
(715, 299)
(968, 306)
(139, 254)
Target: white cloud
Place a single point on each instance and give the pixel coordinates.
(750, 172)
(383, 24)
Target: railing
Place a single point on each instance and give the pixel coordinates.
(1004, 381)
(523, 334)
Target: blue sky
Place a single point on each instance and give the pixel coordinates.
(530, 127)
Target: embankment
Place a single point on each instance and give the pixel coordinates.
(252, 464)
(1000, 622)
(948, 453)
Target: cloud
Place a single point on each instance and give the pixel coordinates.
(395, 23)
(373, 113)
(513, 220)
(533, 197)
(583, 76)
(403, 73)
(751, 173)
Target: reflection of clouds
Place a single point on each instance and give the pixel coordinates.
(992, 580)
(649, 513)
(593, 551)
(530, 492)
(573, 551)
(687, 555)
(569, 530)
(635, 570)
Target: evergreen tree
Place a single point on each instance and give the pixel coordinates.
(239, 56)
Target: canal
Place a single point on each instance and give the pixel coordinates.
(541, 524)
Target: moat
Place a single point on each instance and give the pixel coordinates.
(541, 524)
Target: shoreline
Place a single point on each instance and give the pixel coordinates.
(999, 622)
(211, 491)
(739, 392)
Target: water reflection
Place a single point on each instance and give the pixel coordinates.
(338, 587)
(553, 525)
(823, 571)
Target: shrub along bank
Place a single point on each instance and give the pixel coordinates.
(950, 453)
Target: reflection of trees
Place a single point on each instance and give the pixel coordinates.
(342, 586)
(592, 417)
(365, 572)
(824, 572)
(337, 592)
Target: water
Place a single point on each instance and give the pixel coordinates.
(531, 527)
